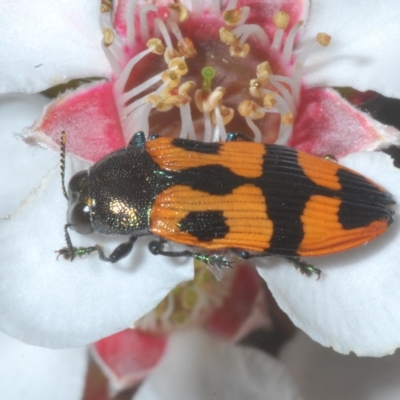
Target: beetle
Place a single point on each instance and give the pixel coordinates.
(250, 198)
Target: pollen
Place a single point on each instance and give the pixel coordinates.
(228, 37)
(108, 37)
(287, 119)
(281, 19)
(156, 46)
(180, 10)
(323, 39)
(232, 17)
(106, 6)
(187, 50)
(250, 109)
(269, 100)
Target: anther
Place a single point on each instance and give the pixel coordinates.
(250, 109)
(187, 50)
(287, 119)
(323, 39)
(269, 100)
(232, 17)
(106, 6)
(156, 46)
(179, 10)
(108, 37)
(281, 19)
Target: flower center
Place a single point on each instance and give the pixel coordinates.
(190, 303)
(199, 74)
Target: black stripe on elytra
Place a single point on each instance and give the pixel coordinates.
(205, 225)
(285, 197)
(362, 202)
(212, 179)
(198, 147)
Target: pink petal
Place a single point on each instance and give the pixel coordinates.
(328, 124)
(128, 356)
(245, 299)
(89, 117)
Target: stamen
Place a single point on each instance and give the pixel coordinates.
(187, 129)
(215, 8)
(179, 10)
(144, 26)
(130, 22)
(207, 126)
(231, 5)
(155, 45)
(178, 65)
(289, 43)
(285, 93)
(164, 32)
(251, 29)
(232, 17)
(196, 6)
(140, 88)
(109, 48)
(219, 121)
(254, 128)
(250, 109)
(281, 20)
(106, 6)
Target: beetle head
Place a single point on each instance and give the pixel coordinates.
(79, 203)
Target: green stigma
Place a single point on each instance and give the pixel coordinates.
(208, 73)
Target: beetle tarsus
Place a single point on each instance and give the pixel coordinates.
(304, 267)
(215, 260)
(73, 252)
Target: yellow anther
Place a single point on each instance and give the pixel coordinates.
(269, 100)
(263, 71)
(281, 19)
(239, 51)
(249, 108)
(287, 119)
(156, 45)
(173, 77)
(181, 11)
(108, 37)
(170, 54)
(159, 103)
(227, 115)
(323, 39)
(186, 87)
(187, 50)
(256, 88)
(232, 17)
(228, 37)
(106, 6)
(178, 65)
(206, 100)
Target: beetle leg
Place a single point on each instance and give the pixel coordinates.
(304, 267)
(235, 136)
(119, 252)
(215, 260)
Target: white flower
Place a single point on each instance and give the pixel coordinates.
(62, 304)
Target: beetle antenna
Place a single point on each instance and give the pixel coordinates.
(62, 162)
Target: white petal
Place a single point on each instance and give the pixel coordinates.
(323, 374)
(46, 43)
(22, 167)
(31, 373)
(363, 52)
(354, 306)
(198, 366)
(60, 303)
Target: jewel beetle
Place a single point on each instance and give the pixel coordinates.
(250, 198)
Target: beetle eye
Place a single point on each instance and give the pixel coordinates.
(79, 218)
